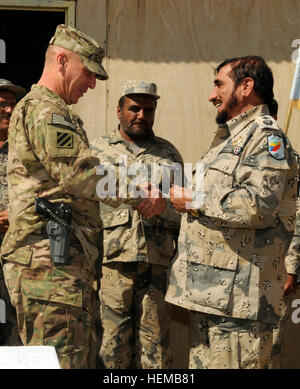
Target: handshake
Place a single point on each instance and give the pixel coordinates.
(154, 204)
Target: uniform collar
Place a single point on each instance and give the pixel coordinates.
(220, 135)
(241, 121)
(115, 137)
(47, 92)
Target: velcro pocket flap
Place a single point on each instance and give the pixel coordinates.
(50, 291)
(225, 162)
(115, 218)
(22, 256)
(214, 253)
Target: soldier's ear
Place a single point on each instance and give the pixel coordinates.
(247, 86)
(119, 109)
(61, 59)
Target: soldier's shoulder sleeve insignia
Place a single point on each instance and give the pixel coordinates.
(62, 121)
(64, 140)
(276, 146)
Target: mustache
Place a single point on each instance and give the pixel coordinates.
(5, 115)
(139, 122)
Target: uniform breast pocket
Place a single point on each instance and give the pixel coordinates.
(116, 231)
(221, 171)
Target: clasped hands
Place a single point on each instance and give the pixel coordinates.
(154, 204)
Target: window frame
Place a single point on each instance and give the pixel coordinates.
(69, 7)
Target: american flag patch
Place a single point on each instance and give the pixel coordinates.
(60, 120)
(64, 140)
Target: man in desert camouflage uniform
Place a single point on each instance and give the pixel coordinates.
(292, 265)
(292, 260)
(135, 318)
(49, 157)
(9, 94)
(229, 270)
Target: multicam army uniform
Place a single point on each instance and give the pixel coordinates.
(137, 252)
(229, 270)
(8, 330)
(49, 157)
(3, 178)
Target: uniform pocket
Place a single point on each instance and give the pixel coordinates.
(160, 240)
(50, 291)
(51, 313)
(210, 274)
(21, 256)
(209, 285)
(116, 231)
(115, 218)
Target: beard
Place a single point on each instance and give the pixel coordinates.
(140, 135)
(5, 115)
(223, 116)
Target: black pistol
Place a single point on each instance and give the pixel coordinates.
(57, 229)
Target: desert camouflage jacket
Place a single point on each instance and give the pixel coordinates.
(231, 254)
(49, 157)
(127, 236)
(292, 260)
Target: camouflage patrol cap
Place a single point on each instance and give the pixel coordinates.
(87, 48)
(139, 87)
(17, 90)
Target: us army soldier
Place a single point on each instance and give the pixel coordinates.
(49, 158)
(9, 95)
(229, 270)
(137, 250)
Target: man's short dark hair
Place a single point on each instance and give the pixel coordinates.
(252, 66)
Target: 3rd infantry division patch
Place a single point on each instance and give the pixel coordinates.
(64, 140)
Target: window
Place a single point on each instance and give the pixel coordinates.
(25, 30)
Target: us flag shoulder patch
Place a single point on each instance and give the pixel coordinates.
(62, 121)
(64, 140)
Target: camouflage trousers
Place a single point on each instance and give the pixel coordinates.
(227, 343)
(54, 304)
(136, 321)
(9, 335)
